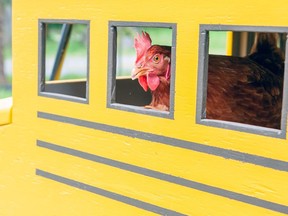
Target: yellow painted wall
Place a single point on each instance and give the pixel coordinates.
(22, 192)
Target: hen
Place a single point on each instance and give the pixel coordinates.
(244, 90)
(247, 90)
(152, 69)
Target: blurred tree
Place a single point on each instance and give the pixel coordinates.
(2, 75)
(3, 4)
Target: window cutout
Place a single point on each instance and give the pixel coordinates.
(64, 59)
(136, 79)
(241, 83)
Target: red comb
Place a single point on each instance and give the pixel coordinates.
(142, 43)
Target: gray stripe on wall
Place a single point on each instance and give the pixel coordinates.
(166, 177)
(225, 153)
(124, 199)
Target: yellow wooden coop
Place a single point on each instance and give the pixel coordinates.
(86, 145)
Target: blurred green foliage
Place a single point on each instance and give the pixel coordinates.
(217, 42)
(6, 91)
(76, 54)
(5, 87)
(77, 42)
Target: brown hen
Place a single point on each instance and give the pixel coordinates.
(152, 69)
(244, 90)
(247, 90)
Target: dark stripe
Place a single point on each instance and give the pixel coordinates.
(225, 153)
(165, 177)
(108, 194)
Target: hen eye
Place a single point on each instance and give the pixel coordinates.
(156, 58)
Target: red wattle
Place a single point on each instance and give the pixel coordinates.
(143, 82)
(153, 81)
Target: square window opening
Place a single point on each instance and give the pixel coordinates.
(241, 82)
(141, 67)
(64, 59)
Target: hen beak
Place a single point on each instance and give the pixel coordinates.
(138, 71)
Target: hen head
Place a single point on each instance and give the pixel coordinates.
(152, 62)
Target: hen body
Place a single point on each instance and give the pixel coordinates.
(247, 90)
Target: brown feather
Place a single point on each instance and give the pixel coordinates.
(161, 96)
(240, 90)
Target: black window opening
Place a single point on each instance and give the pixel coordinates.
(64, 59)
(241, 83)
(133, 77)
